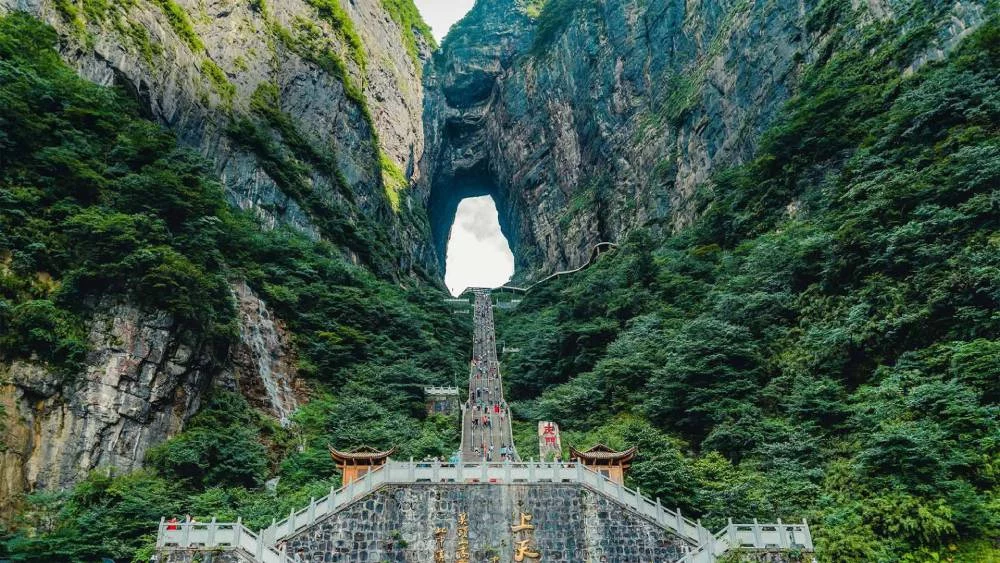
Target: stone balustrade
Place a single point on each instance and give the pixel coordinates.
(441, 391)
(710, 546)
(185, 536)
(755, 536)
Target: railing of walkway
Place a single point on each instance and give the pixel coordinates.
(596, 251)
(710, 545)
(751, 536)
(217, 535)
(397, 473)
(496, 360)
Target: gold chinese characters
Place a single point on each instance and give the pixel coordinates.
(462, 554)
(439, 534)
(523, 545)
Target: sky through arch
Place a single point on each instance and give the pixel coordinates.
(478, 253)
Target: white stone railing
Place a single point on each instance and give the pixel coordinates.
(710, 546)
(511, 473)
(755, 536)
(214, 536)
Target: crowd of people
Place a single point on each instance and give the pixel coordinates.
(487, 425)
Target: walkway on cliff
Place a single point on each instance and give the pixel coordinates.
(486, 429)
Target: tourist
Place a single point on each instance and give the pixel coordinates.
(172, 524)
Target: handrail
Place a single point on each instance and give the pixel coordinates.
(594, 253)
(751, 536)
(709, 546)
(496, 360)
(217, 535)
(401, 473)
(405, 473)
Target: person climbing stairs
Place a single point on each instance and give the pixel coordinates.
(486, 425)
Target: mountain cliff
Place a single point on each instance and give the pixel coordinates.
(587, 119)
(307, 115)
(309, 110)
(222, 226)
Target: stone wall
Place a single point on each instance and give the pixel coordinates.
(571, 523)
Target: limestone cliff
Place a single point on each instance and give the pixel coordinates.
(309, 110)
(311, 113)
(603, 115)
(145, 376)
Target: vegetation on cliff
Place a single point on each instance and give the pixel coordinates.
(412, 25)
(100, 204)
(823, 342)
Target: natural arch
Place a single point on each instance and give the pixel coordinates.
(448, 192)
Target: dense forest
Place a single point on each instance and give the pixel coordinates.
(97, 203)
(835, 358)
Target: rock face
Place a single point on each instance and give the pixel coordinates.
(335, 110)
(571, 524)
(611, 118)
(581, 129)
(306, 117)
(261, 364)
(143, 380)
(145, 377)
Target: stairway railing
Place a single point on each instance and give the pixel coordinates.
(751, 536)
(402, 473)
(709, 546)
(216, 535)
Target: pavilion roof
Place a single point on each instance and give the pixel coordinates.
(361, 456)
(603, 454)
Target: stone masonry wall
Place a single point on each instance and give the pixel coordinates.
(398, 523)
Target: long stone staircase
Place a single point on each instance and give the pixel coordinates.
(486, 426)
(419, 511)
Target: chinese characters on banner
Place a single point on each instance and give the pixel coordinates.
(524, 539)
(549, 444)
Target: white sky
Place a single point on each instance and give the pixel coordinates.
(478, 254)
(441, 14)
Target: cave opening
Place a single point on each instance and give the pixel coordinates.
(478, 254)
